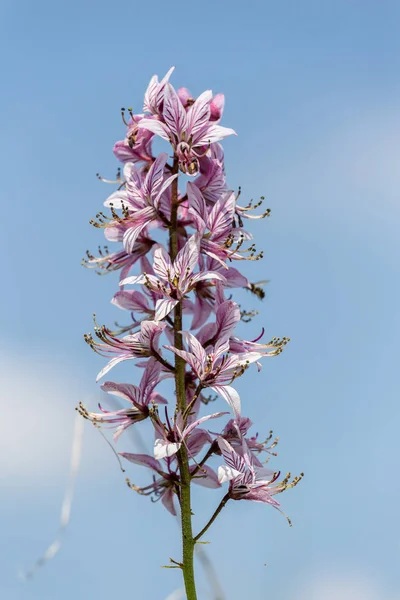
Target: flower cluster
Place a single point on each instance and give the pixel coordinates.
(180, 320)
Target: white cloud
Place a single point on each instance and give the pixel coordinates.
(177, 595)
(343, 587)
(37, 419)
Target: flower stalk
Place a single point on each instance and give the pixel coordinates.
(182, 455)
(181, 321)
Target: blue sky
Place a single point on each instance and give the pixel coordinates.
(313, 91)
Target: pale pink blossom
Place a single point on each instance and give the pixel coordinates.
(173, 280)
(191, 132)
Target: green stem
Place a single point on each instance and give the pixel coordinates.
(215, 515)
(183, 459)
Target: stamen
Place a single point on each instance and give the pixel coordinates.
(123, 117)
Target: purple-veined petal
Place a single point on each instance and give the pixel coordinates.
(231, 457)
(150, 331)
(174, 114)
(154, 94)
(235, 279)
(228, 315)
(208, 479)
(114, 361)
(196, 441)
(164, 307)
(131, 234)
(123, 390)
(226, 473)
(207, 275)
(155, 175)
(215, 133)
(162, 189)
(155, 127)
(142, 459)
(188, 357)
(150, 379)
(230, 395)
(150, 94)
(197, 205)
(168, 501)
(221, 216)
(195, 424)
(198, 115)
(162, 263)
(201, 311)
(131, 300)
(138, 279)
(195, 347)
(156, 398)
(163, 448)
(187, 257)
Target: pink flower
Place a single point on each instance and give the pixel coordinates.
(166, 486)
(235, 432)
(138, 396)
(175, 280)
(247, 480)
(136, 345)
(172, 437)
(211, 181)
(137, 143)
(189, 132)
(154, 95)
(215, 225)
(141, 198)
(106, 262)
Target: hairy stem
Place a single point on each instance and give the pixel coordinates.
(215, 515)
(183, 459)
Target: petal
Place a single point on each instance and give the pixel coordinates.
(228, 315)
(163, 448)
(131, 300)
(156, 127)
(173, 112)
(123, 390)
(187, 257)
(142, 459)
(198, 115)
(195, 424)
(230, 395)
(231, 457)
(162, 263)
(214, 134)
(162, 189)
(197, 441)
(112, 363)
(207, 275)
(197, 205)
(226, 473)
(164, 307)
(155, 175)
(168, 501)
(221, 216)
(208, 479)
(131, 234)
(195, 347)
(189, 358)
(217, 107)
(118, 199)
